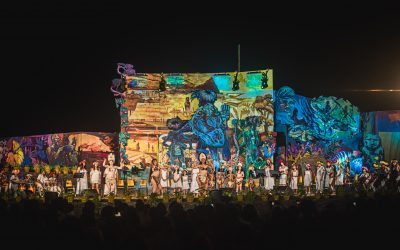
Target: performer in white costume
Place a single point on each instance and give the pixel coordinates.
(194, 186)
(319, 177)
(307, 179)
(283, 169)
(185, 182)
(164, 179)
(81, 183)
(176, 183)
(294, 176)
(110, 175)
(95, 176)
(269, 181)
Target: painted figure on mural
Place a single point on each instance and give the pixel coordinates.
(251, 140)
(176, 141)
(62, 152)
(371, 149)
(210, 126)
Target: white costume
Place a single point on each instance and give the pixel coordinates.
(319, 178)
(95, 176)
(176, 181)
(283, 177)
(327, 180)
(307, 178)
(82, 183)
(294, 179)
(339, 177)
(185, 182)
(164, 178)
(42, 181)
(194, 188)
(269, 181)
(111, 175)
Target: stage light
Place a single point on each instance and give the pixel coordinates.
(235, 83)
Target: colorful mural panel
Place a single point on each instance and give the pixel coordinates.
(227, 116)
(65, 149)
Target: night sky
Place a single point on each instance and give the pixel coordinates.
(58, 61)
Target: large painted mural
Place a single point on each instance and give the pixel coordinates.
(381, 136)
(174, 117)
(318, 129)
(63, 149)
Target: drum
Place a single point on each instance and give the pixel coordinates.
(143, 183)
(32, 188)
(68, 184)
(21, 186)
(120, 183)
(131, 183)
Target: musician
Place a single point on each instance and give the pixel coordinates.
(111, 175)
(319, 179)
(155, 177)
(269, 180)
(95, 177)
(41, 182)
(365, 178)
(53, 183)
(339, 175)
(14, 182)
(307, 178)
(81, 183)
(294, 176)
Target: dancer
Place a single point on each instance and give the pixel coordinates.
(230, 180)
(251, 183)
(185, 182)
(269, 180)
(347, 176)
(307, 179)
(220, 178)
(239, 179)
(211, 178)
(95, 177)
(202, 178)
(110, 175)
(155, 177)
(294, 176)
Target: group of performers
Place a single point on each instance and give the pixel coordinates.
(202, 176)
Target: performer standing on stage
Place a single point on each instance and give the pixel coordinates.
(220, 177)
(294, 176)
(307, 179)
(176, 183)
(95, 177)
(110, 175)
(14, 182)
(319, 179)
(164, 179)
(269, 180)
(155, 177)
(194, 186)
(347, 175)
(185, 182)
(283, 170)
(239, 179)
(81, 183)
(202, 178)
(339, 175)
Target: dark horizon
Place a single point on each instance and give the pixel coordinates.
(57, 65)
